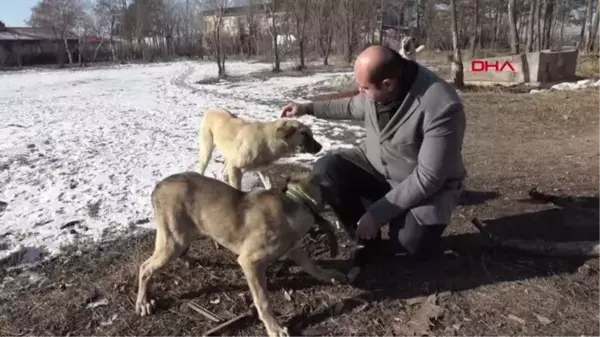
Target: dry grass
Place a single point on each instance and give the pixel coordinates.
(588, 66)
(514, 141)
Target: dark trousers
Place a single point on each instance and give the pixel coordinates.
(348, 189)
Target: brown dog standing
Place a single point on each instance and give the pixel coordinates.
(250, 145)
(258, 227)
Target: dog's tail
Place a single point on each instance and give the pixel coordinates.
(205, 146)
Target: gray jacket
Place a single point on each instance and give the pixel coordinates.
(419, 152)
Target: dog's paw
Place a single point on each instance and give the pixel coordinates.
(143, 307)
(336, 277)
(279, 332)
(353, 274)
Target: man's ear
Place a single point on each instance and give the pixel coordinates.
(286, 131)
(389, 84)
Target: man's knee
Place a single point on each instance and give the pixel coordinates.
(329, 167)
(419, 240)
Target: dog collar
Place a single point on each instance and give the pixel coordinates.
(303, 199)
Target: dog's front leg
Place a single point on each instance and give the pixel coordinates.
(266, 181)
(303, 260)
(255, 272)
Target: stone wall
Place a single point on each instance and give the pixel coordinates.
(537, 67)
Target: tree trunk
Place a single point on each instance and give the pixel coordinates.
(497, 21)
(539, 26)
(529, 45)
(69, 55)
(475, 35)
(548, 14)
(381, 32)
(512, 21)
(457, 66)
(562, 27)
(594, 30)
(582, 32)
(588, 15)
(277, 66)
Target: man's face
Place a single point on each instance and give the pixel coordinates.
(381, 94)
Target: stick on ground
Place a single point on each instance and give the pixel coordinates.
(540, 247)
(205, 312)
(248, 313)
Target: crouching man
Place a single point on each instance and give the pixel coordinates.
(409, 170)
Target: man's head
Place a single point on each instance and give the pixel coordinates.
(377, 70)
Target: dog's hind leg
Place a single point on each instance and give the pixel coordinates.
(234, 175)
(189, 261)
(303, 260)
(264, 179)
(166, 249)
(205, 147)
(255, 273)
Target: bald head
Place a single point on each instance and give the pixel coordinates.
(377, 63)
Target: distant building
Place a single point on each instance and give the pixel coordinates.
(30, 45)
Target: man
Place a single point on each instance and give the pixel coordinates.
(408, 172)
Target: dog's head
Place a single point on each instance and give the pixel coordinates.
(310, 188)
(298, 135)
(409, 49)
(308, 185)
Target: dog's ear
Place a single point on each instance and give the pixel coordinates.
(286, 130)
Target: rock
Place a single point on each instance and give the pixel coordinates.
(542, 319)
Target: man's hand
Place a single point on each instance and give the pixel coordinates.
(367, 228)
(294, 110)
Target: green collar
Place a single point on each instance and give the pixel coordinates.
(303, 199)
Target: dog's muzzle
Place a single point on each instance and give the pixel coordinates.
(311, 145)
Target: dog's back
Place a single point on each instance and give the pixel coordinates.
(188, 204)
(192, 202)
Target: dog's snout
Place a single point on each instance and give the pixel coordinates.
(318, 147)
(311, 145)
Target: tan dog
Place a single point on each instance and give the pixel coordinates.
(409, 49)
(250, 145)
(258, 226)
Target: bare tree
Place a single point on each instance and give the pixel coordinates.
(457, 65)
(271, 11)
(167, 23)
(109, 14)
(530, 26)
(548, 15)
(61, 16)
(593, 30)
(588, 15)
(299, 11)
(512, 22)
(349, 13)
(215, 25)
(323, 19)
(476, 33)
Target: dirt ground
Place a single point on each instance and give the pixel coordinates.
(514, 142)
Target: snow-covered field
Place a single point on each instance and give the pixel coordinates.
(81, 150)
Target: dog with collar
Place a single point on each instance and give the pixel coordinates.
(258, 226)
(409, 49)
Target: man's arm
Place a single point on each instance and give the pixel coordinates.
(440, 150)
(340, 108)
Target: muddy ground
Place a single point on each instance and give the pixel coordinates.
(514, 142)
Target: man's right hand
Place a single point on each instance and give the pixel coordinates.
(294, 110)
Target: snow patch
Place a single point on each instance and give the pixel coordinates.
(569, 86)
(81, 151)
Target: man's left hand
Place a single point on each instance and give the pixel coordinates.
(367, 228)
